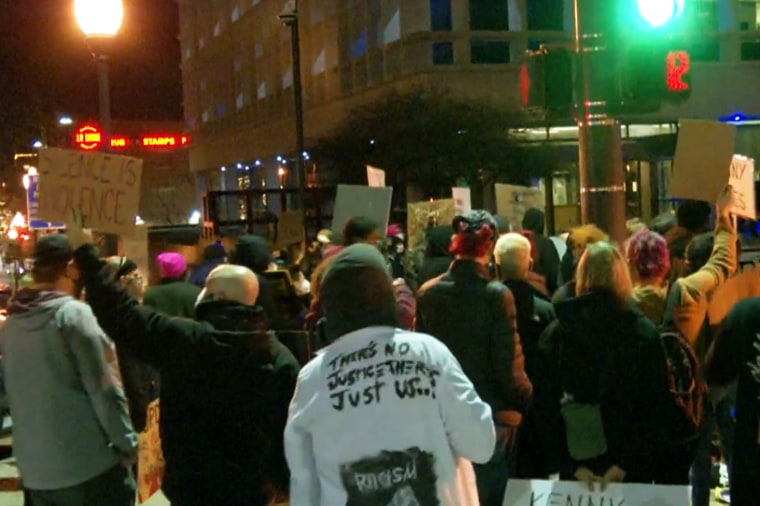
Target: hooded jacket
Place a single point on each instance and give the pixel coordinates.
(547, 264)
(475, 318)
(602, 353)
(225, 386)
(254, 252)
(70, 415)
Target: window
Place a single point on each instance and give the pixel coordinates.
(489, 15)
(751, 50)
(319, 64)
(443, 53)
(705, 16)
(240, 101)
(705, 49)
(749, 15)
(546, 15)
(489, 52)
(235, 14)
(218, 29)
(440, 15)
(205, 117)
(220, 110)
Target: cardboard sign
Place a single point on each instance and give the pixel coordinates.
(105, 188)
(512, 201)
(741, 177)
(135, 247)
(33, 208)
(290, 228)
(561, 493)
(703, 154)
(352, 201)
(462, 200)
(150, 457)
(375, 177)
(423, 215)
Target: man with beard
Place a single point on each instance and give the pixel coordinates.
(72, 437)
(226, 382)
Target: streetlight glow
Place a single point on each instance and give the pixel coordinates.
(65, 121)
(99, 18)
(660, 12)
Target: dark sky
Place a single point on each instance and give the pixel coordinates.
(46, 68)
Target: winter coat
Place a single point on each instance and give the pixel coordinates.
(609, 355)
(173, 297)
(476, 319)
(735, 355)
(437, 257)
(226, 382)
(254, 252)
(381, 416)
(548, 262)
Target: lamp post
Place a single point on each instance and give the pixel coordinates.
(289, 18)
(100, 21)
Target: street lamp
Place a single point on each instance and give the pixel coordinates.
(289, 18)
(65, 121)
(100, 21)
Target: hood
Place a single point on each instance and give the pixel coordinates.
(33, 305)
(534, 221)
(253, 252)
(237, 325)
(438, 242)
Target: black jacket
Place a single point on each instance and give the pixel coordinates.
(173, 297)
(548, 263)
(534, 314)
(226, 385)
(605, 354)
(475, 318)
(437, 257)
(254, 252)
(735, 355)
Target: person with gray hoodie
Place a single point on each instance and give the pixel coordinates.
(72, 436)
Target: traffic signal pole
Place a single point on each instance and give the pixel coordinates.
(600, 150)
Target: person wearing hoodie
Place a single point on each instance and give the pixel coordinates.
(254, 252)
(226, 382)
(72, 437)
(649, 260)
(173, 295)
(437, 257)
(547, 264)
(476, 318)
(601, 382)
(382, 416)
(213, 255)
(513, 254)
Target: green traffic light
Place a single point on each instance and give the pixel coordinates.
(659, 12)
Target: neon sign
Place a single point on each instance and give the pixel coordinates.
(119, 142)
(88, 138)
(677, 66)
(164, 141)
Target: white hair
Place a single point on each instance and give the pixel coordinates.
(233, 283)
(513, 256)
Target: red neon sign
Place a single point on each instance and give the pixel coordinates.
(677, 66)
(88, 138)
(119, 142)
(164, 141)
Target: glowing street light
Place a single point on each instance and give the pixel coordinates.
(659, 12)
(65, 121)
(99, 18)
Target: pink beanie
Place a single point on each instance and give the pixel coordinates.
(171, 265)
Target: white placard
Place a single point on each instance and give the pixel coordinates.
(742, 180)
(566, 493)
(375, 177)
(462, 201)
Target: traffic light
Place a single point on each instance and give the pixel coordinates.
(657, 13)
(546, 80)
(655, 72)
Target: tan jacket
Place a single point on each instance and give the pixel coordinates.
(696, 289)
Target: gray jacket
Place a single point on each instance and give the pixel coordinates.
(70, 415)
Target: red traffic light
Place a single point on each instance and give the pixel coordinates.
(677, 67)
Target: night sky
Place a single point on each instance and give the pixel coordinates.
(46, 68)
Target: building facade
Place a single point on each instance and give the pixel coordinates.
(238, 79)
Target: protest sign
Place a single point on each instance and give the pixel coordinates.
(33, 206)
(289, 228)
(150, 457)
(741, 177)
(462, 200)
(105, 188)
(135, 247)
(352, 201)
(562, 493)
(703, 155)
(512, 201)
(375, 177)
(423, 215)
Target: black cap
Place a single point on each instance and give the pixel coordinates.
(53, 250)
(474, 221)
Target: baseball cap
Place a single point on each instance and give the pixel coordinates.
(52, 250)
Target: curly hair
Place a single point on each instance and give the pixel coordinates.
(648, 255)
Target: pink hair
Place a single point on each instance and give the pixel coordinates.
(648, 255)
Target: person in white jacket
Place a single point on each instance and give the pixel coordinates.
(382, 416)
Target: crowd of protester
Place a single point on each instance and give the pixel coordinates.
(496, 355)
